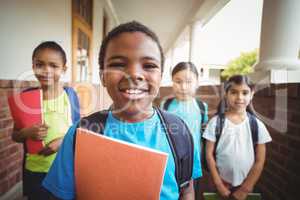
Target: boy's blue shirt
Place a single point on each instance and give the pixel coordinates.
(149, 133)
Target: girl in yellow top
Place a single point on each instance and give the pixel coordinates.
(60, 109)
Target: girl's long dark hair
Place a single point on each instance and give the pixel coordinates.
(236, 79)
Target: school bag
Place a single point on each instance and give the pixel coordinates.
(202, 112)
(179, 139)
(219, 128)
(199, 103)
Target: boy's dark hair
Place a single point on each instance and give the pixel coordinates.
(236, 79)
(183, 66)
(129, 27)
(50, 45)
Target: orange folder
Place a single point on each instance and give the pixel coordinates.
(26, 110)
(110, 169)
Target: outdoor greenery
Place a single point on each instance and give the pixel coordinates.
(240, 65)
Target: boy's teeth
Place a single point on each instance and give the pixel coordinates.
(133, 91)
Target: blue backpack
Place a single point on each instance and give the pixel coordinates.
(179, 138)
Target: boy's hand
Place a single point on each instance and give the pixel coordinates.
(52, 147)
(240, 194)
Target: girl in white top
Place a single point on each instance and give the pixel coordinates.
(234, 164)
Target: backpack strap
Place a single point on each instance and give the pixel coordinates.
(202, 109)
(30, 88)
(254, 129)
(94, 122)
(182, 147)
(167, 103)
(219, 128)
(74, 102)
(218, 131)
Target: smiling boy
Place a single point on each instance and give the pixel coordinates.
(131, 65)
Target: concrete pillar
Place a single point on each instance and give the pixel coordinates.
(192, 41)
(280, 40)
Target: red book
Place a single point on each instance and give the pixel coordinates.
(107, 168)
(26, 110)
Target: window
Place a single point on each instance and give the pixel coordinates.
(82, 40)
(84, 9)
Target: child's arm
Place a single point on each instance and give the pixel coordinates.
(36, 132)
(188, 193)
(254, 174)
(210, 146)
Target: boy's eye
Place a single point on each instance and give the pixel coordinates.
(116, 64)
(150, 66)
(54, 66)
(245, 93)
(38, 65)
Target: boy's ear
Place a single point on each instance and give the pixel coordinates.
(102, 79)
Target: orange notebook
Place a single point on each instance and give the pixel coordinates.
(108, 169)
(26, 110)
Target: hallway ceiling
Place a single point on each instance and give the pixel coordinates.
(167, 18)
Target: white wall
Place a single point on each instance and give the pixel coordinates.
(26, 23)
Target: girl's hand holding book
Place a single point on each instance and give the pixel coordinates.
(35, 132)
(223, 191)
(38, 132)
(51, 147)
(240, 194)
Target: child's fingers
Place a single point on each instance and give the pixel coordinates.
(44, 151)
(40, 135)
(43, 133)
(45, 126)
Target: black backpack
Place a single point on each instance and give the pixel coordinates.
(199, 103)
(219, 129)
(179, 138)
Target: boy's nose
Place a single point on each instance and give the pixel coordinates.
(135, 72)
